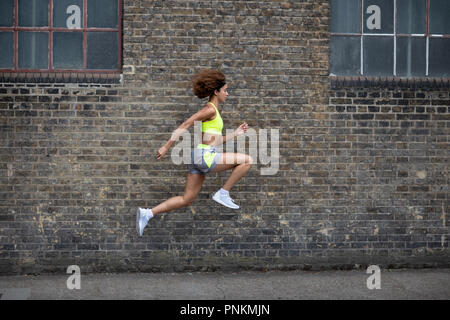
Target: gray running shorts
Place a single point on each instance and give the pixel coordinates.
(204, 159)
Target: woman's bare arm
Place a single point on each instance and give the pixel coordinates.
(203, 114)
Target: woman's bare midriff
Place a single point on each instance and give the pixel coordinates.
(212, 138)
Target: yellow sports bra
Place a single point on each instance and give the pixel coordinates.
(213, 126)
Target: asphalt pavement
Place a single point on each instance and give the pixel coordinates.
(405, 284)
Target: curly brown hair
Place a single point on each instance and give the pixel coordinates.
(206, 82)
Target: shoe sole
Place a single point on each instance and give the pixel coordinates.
(222, 203)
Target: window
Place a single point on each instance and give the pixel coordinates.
(401, 38)
(53, 36)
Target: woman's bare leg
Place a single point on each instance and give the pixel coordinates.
(240, 163)
(194, 183)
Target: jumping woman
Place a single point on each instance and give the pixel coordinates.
(204, 158)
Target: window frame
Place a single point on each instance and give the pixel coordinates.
(395, 36)
(50, 30)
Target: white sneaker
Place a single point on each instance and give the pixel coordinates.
(142, 218)
(224, 199)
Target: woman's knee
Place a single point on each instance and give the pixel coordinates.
(188, 200)
(244, 159)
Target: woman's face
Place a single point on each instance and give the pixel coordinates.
(222, 94)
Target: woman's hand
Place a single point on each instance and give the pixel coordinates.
(242, 129)
(161, 152)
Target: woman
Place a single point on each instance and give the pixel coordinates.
(204, 158)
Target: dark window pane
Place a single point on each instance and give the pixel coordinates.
(378, 56)
(412, 16)
(33, 50)
(346, 16)
(33, 13)
(411, 60)
(440, 16)
(380, 18)
(439, 57)
(102, 50)
(103, 13)
(345, 55)
(68, 50)
(68, 14)
(6, 13)
(7, 45)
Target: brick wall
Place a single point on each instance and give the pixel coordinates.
(363, 175)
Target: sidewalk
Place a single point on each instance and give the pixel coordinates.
(424, 284)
